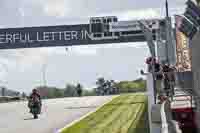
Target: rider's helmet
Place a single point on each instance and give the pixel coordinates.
(35, 97)
(34, 91)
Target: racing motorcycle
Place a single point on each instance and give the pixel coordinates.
(35, 107)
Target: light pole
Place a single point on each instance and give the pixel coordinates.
(167, 19)
(170, 41)
(44, 66)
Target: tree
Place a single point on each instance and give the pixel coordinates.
(115, 89)
(101, 84)
(70, 90)
(138, 85)
(24, 95)
(50, 92)
(108, 87)
(100, 81)
(79, 89)
(17, 93)
(58, 93)
(89, 92)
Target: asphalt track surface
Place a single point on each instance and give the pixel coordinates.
(56, 113)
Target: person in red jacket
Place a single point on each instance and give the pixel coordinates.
(35, 98)
(35, 94)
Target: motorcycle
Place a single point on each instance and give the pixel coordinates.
(35, 107)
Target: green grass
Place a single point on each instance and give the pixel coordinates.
(124, 114)
(132, 86)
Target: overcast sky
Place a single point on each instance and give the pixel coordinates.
(21, 69)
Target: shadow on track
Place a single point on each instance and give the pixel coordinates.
(26, 119)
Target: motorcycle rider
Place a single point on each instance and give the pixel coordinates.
(35, 98)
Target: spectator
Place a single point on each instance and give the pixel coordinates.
(148, 62)
(172, 78)
(166, 80)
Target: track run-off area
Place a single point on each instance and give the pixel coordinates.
(126, 113)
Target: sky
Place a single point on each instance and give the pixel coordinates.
(22, 69)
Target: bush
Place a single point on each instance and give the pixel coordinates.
(138, 85)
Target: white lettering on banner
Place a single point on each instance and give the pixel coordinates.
(82, 35)
(46, 36)
(32, 37)
(74, 35)
(2, 38)
(29, 38)
(16, 37)
(53, 35)
(21, 38)
(86, 35)
(38, 37)
(8, 38)
(60, 36)
(67, 35)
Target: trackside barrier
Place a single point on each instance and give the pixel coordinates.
(160, 116)
(168, 125)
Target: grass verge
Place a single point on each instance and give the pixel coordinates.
(124, 114)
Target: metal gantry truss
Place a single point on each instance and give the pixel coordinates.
(149, 37)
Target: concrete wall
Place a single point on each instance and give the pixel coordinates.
(195, 50)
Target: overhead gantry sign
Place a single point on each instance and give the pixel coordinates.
(96, 32)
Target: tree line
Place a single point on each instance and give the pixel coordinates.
(70, 90)
(103, 87)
